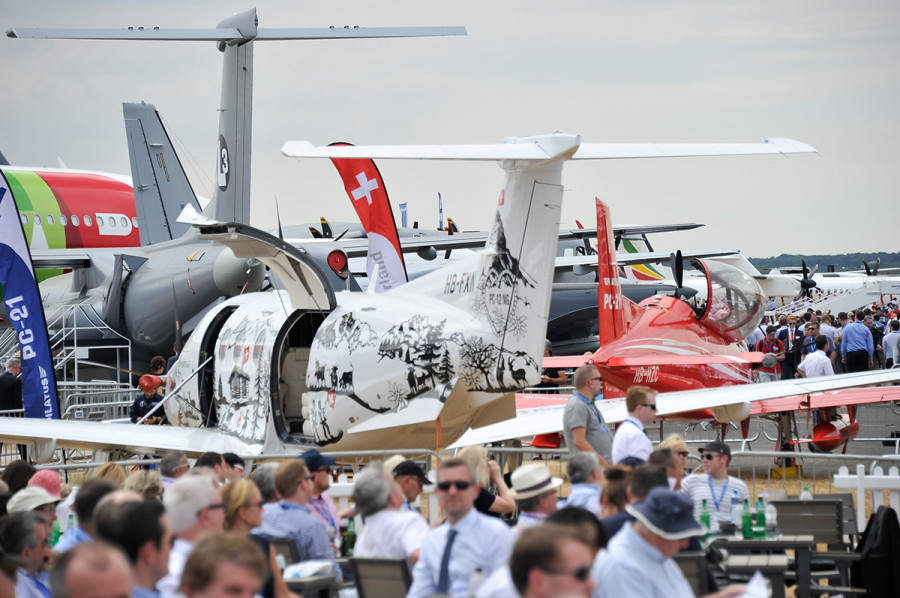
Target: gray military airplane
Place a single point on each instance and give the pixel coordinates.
(137, 292)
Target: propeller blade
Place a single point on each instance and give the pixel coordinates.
(868, 270)
(679, 272)
(315, 232)
(326, 228)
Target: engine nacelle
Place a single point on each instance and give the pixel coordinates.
(733, 413)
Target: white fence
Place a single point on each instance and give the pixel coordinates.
(875, 482)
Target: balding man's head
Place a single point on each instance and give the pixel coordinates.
(92, 570)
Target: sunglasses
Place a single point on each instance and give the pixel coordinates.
(596, 379)
(683, 454)
(650, 406)
(581, 573)
(221, 505)
(460, 485)
(711, 456)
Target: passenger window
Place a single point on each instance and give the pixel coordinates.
(74, 220)
(24, 218)
(87, 220)
(134, 221)
(124, 221)
(37, 218)
(112, 222)
(50, 219)
(62, 219)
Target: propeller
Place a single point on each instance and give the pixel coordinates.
(872, 271)
(676, 264)
(807, 284)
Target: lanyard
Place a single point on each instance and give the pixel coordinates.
(590, 404)
(628, 420)
(713, 492)
(324, 512)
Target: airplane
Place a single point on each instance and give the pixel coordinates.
(414, 366)
(138, 292)
(688, 352)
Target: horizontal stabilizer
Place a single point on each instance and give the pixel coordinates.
(650, 257)
(522, 151)
(231, 34)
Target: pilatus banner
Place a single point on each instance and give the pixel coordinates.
(22, 301)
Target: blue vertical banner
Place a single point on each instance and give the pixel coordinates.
(403, 215)
(22, 300)
(440, 212)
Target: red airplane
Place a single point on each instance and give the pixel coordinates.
(671, 343)
(688, 347)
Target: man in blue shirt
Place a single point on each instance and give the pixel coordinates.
(467, 541)
(857, 346)
(291, 518)
(89, 494)
(24, 535)
(638, 561)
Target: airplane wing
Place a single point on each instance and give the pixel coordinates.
(542, 414)
(127, 436)
(650, 257)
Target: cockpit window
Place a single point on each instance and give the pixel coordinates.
(735, 300)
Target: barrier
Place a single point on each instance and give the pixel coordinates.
(874, 482)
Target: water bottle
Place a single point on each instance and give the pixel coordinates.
(704, 518)
(54, 535)
(759, 530)
(350, 541)
(771, 521)
(806, 494)
(736, 509)
(475, 582)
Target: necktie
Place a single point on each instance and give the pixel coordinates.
(444, 577)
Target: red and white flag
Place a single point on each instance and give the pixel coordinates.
(366, 191)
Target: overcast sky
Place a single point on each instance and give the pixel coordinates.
(825, 72)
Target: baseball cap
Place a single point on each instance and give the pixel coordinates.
(411, 468)
(667, 514)
(48, 480)
(316, 460)
(716, 446)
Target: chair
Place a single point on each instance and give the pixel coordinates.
(285, 551)
(381, 578)
(695, 568)
(823, 519)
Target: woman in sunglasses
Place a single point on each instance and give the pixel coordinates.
(243, 512)
(487, 471)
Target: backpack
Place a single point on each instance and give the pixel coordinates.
(877, 571)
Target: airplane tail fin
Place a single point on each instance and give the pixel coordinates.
(612, 305)
(232, 201)
(161, 187)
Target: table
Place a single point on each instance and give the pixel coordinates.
(772, 566)
(315, 585)
(802, 545)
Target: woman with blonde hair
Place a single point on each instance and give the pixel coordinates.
(243, 512)
(145, 482)
(487, 471)
(110, 471)
(679, 447)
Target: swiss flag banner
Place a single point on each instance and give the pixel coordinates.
(366, 191)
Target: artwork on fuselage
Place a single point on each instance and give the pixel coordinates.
(347, 330)
(497, 297)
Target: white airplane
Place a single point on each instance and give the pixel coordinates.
(414, 366)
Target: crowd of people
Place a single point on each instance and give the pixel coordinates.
(207, 530)
(819, 344)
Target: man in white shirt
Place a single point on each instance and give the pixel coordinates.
(585, 476)
(889, 343)
(194, 510)
(817, 363)
(467, 541)
(631, 445)
(390, 532)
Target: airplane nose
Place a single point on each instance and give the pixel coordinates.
(232, 274)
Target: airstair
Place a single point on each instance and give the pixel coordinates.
(77, 332)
